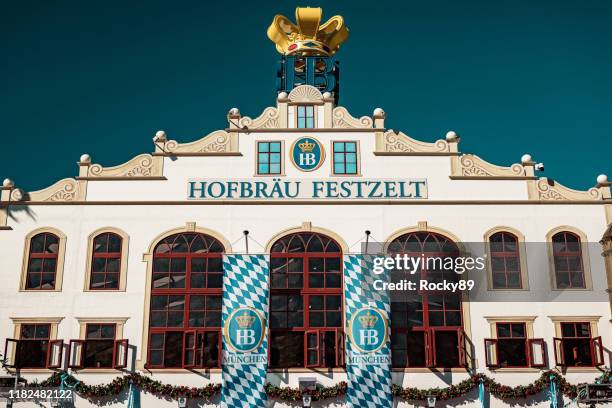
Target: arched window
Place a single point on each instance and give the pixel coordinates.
(185, 313)
(306, 302)
(426, 326)
(568, 262)
(505, 261)
(42, 262)
(106, 261)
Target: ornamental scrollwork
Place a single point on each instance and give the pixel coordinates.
(474, 166)
(549, 190)
(341, 118)
(392, 142)
(269, 119)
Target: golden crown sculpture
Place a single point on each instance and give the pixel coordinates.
(245, 320)
(309, 37)
(306, 147)
(368, 320)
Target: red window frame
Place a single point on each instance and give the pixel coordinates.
(505, 254)
(106, 256)
(18, 344)
(511, 336)
(45, 258)
(595, 345)
(89, 341)
(415, 244)
(200, 248)
(562, 253)
(328, 250)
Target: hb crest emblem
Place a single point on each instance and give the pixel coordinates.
(368, 330)
(307, 154)
(244, 330)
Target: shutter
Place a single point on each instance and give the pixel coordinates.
(537, 352)
(11, 353)
(76, 354)
(597, 348)
(430, 355)
(559, 357)
(340, 349)
(312, 348)
(461, 346)
(189, 349)
(120, 353)
(491, 355)
(55, 351)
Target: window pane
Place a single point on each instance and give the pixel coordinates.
(339, 157)
(351, 168)
(275, 169)
(351, 147)
(275, 147)
(339, 168)
(263, 147)
(37, 244)
(338, 147)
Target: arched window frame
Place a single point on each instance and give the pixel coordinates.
(61, 254)
(306, 292)
(123, 262)
(423, 226)
(522, 253)
(584, 249)
(147, 257)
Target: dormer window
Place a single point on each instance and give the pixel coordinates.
(305, 116)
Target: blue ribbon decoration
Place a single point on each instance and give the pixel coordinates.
(553, 392)
(481, 391)
(133, 396)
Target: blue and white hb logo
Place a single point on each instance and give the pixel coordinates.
(368, 330)
(244, 330)
(307, 154)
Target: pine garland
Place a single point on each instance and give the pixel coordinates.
(288, 394)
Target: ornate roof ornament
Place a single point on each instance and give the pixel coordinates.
(308, 37)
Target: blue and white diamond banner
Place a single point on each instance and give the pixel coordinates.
(368, 363)
(245, 334)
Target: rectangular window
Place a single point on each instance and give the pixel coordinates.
(269, 158)
(305, 116)
(345, 157)
(577, 347)
(33, 345)
(99, 345)
(512, 345)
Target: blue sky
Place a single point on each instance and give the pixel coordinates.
(511, 77)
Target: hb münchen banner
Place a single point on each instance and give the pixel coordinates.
(368, 363)
(245, 334)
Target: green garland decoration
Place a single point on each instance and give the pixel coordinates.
(289, 394)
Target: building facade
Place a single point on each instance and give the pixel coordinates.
(129, 268)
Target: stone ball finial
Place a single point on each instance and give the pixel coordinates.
(160, 136)
(452, 136)
(327, 95)
(379, 112)
(85, 159)
(526, 159)
(282, 95)
(602, 179)
(8, 183)
(234, 112)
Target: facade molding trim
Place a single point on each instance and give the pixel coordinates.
(143, 166)
(315, 202)
(547, 189)
(269, 119)
(342, 119)
(215, 143)
(400, 144)
(65, 190)
(307, 227)
(470, 165)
